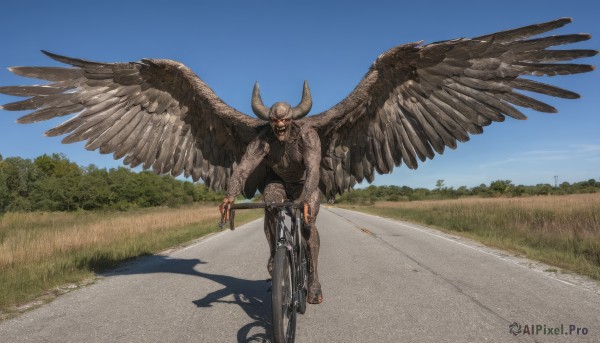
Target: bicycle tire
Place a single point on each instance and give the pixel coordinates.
(304, 261)
(284, 311)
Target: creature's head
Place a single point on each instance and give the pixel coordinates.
(281, 114)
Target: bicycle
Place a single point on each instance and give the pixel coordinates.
(290, 264)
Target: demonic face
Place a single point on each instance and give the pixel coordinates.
(280, 117)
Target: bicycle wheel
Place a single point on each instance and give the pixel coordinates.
(304, 260)
(282, 302)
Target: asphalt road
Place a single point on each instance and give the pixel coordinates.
(383, 281)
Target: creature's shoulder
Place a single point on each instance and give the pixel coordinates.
(262, 140)
(264, 134)
(307, 134)
(306, 130)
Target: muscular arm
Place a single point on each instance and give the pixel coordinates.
(312, 160)
(255, 152)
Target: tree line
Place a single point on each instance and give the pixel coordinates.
(498, 188)
(53, 183)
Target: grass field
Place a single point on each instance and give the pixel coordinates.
(41, 251)
(563, 231)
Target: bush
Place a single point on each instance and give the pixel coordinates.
(53, 183)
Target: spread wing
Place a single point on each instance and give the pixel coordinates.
(416, 100)
(155, 113)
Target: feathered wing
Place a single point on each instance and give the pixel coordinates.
(416, 100)
(155, 113)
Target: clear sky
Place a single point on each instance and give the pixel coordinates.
(232, 44)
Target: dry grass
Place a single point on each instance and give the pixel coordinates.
(560, 230)
(40, 251)
(31, 237)
(546, 202)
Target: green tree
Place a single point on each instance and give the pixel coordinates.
(56, 187)
(20, 174)
(481, 190)
(4, 192)
(462, 191)
(542, 189)
(94, 189)
(501, 187)
(439, 184)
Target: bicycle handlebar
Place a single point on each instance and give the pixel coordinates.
(249, 205)
(229, 211)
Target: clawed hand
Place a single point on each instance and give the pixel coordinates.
(307, 210)
(225, 209)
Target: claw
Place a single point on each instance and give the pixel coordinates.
(315, 295)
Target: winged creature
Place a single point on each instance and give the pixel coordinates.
(414, 101)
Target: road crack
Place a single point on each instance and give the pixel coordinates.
(456, 287)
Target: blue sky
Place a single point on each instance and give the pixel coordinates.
(232, 44)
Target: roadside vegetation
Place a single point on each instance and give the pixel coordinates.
(42, 250)
(61, 223)
(498, 188)
(53, 183)
(563, 231)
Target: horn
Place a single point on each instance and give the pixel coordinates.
(305, 104)
(258, 107)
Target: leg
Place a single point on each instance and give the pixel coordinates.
(273, 192)
(315, 295)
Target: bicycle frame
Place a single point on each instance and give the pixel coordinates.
(289, 238)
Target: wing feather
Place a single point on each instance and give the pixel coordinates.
(92, 126)
(180, 155)
(116, 132)
(134, 136)
(542, 88)
(155, 113)
(526, 31)
(525, 101)
(48, 73)
(37, 90)
(416, 100)
(96, 135)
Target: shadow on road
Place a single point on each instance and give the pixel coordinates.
(250, 295)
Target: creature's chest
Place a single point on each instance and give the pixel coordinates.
(286, 157)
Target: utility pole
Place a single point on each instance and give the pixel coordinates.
(555, 181)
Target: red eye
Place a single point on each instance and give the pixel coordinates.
(277, 121)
